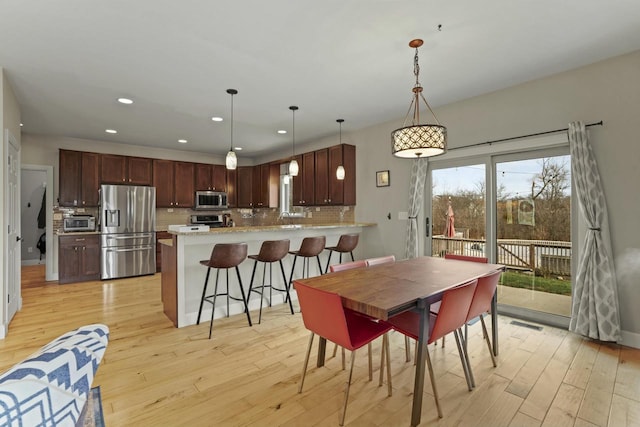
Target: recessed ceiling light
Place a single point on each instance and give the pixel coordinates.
(237, 148)
(125, 101)
(217, 119)
(111, 131)
(282, 131)
(182, 141)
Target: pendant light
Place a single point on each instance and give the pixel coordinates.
(293, 166)
(340, 169)
(418, 140)
(231, 160)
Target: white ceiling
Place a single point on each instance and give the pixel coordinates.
(68, 60)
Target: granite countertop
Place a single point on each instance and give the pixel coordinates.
(274, 228)
(167, 242)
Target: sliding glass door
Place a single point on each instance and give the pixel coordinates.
(515, 210)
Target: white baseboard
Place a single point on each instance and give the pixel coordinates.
(630, 339)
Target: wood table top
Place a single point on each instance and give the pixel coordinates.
(384, 290)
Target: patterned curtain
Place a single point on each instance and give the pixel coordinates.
(416, 191)
(594, 311)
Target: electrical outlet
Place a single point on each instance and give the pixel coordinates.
(30, 249)
(170, 210)
(318, 209)
(309, 214)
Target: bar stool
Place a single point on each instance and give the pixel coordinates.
(270, 252)
(346, 243)
(310, 247)
(223, 256)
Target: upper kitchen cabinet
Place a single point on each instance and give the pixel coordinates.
(304, 183)
(322, 178)
(329, 189)
(210, 177)
(266, 179)
(174, 182)
(78, 179)
(117, 169)
(232, 185)
(244, 188)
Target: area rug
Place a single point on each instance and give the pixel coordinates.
(91, 415)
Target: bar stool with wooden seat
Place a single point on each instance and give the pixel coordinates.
(309, 248)
(346, 244)
(270, 252)
(224, 256)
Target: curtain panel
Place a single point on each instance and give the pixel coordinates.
(416, 191)
(594, 311)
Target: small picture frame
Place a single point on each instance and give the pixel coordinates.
(382, 179)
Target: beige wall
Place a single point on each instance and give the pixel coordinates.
(608, 91)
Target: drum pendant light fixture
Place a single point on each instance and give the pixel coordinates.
(231, 160)
(418, 140)
(293, 166)
(340, 169)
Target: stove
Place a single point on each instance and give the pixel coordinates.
(210, 220)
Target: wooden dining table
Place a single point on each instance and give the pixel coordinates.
(385, 290)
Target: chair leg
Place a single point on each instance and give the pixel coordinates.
(343, 358)
(464, 359)
(319, 265)
(213, 308)
(326, 270)
(204, 293)
(383, 355)
(486, 337)
(286, 287)
(335, 350)
(293, 267)
(261, 295)
(352, 259)
(385, 344)
(253, 274)
(244, 298)
(306, 363)
(370, 362)
(407, 348)
(346, 393)
(433, 384)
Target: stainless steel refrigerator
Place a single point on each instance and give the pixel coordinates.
(127, 225)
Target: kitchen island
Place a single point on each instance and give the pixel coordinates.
(183, 277)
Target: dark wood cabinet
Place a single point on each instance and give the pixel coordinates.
(210, 177)
(116, 169)
(78, 179)
(336, 186)
(174, 182)
(159, 236)
(321, 196)
(349, 183)
(262, 186)
(232, 185)
(244, 189)
(78, 258)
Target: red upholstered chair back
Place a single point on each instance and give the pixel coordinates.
(453, 310)
(323, 314)
(466, 258)
(347, 266)
(484, 294)
(380, 260)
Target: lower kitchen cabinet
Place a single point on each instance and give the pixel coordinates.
(78, 258)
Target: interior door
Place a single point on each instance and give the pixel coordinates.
(12, 214)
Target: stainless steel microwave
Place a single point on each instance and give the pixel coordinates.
(209, 200)
(79, 223)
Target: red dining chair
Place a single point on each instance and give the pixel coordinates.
(380, 260)
(342, 267)
(323, 314)
(434, 308)
(452, 315)
(480, 305)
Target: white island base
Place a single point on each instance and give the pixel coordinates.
(183, 276)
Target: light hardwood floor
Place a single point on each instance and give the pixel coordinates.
(156, 375)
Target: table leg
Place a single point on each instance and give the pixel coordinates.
(494, 322)
(322, 347)
(421, 358)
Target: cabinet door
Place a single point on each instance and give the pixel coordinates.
(184, 184)
(219, 177)
(89, 257)
(68, 265)
(322, 182)
(113, 169)
(203, 173)
(139, 171)
(256, 196)
(90, 179)
(336, 186)
(245, 186)
(70, 166)
(163, 178)
(308, 178)
(297, 196)
(232, 185)
(349, 159)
